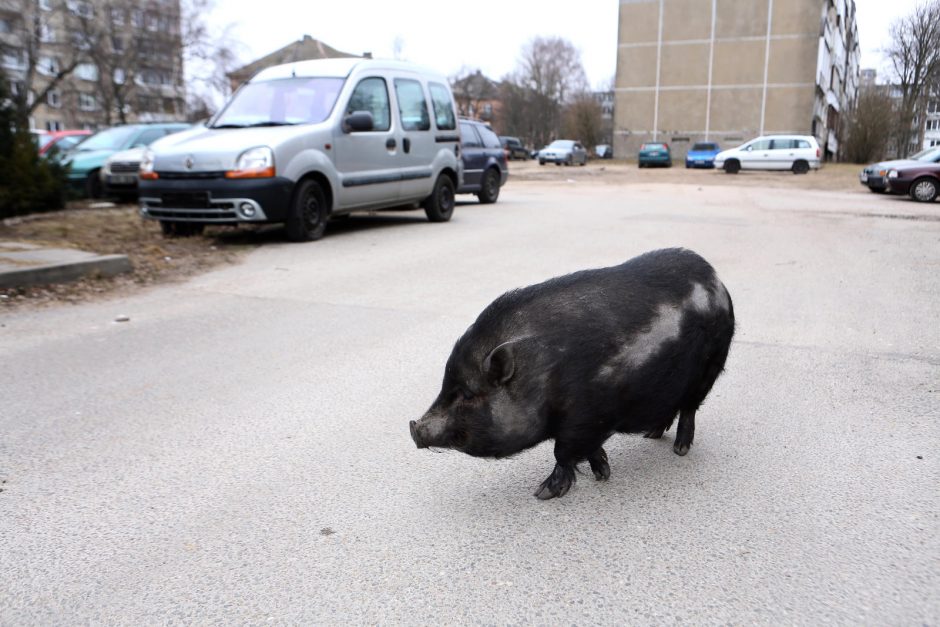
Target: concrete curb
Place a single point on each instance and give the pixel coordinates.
(24, 265)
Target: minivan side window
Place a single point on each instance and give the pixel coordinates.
(784, 144)
(443, 109)
(371, 94)
(412, 107)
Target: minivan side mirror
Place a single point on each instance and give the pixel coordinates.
(358, 121)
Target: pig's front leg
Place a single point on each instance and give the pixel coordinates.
(566, 457)
(558, 483)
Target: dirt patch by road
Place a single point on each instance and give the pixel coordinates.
(118, 229)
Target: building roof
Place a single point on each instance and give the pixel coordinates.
(476, 86)
(304, 49)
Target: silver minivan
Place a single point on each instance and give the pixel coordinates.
(303, 142)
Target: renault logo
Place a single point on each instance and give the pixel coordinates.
(188, 162)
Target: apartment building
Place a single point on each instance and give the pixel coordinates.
(729, 70)
(126, 57)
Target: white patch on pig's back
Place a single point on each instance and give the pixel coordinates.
(638, 349)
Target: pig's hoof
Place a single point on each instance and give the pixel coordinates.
(599, 465)
(557, 484)
(680, 448)
(655, 434)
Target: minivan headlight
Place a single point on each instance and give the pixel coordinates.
(146, 171)
(254, 163)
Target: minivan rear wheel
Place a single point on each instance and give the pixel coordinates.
(307, 219)
(800, 167)
(439, 206)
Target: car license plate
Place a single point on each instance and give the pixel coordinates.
(123, 179)
(699, 161)
(863, 177)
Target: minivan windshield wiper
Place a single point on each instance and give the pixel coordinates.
(271, 123)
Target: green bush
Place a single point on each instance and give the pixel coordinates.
(28, 183)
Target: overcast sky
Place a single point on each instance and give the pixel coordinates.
(484, 34)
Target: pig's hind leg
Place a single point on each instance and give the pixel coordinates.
(685, 432)
(599, 465)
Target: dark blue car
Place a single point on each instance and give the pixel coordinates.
(702, 155)
(484, 161)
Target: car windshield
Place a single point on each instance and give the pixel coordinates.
(704, 147)
(562, 143)
(111, 139)
(280, 103)
(654, 146)
(930, 155)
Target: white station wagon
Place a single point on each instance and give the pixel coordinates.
(798, 153)
(303, 142)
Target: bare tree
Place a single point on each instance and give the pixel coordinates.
(549, 73)
(866, 133)
(583, 120)
(42, 61)
(914, 54)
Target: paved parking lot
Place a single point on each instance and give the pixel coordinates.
(237, 449)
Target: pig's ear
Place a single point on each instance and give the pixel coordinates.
(500, 364)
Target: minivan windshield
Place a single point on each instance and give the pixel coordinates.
(280, 102)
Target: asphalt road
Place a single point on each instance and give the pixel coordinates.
(238, 450)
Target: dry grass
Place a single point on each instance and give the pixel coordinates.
(116, 230)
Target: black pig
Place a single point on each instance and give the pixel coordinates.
(581, 357)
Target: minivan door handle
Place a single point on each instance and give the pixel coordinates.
(390, 144)
(406, 145)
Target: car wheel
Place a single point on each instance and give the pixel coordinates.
(308, 216)
(800, 167)
(541, 162)
(924, 190)
(732, 166)
(489, 189)
(181, 229)
(439, 206)
(93, 185)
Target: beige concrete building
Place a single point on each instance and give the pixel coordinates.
(730, 70)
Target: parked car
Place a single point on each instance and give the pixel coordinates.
(119, 173)
(563, 151)
(303, 142)
(604, 151)
(87, 158)
(484, 161)
(654, 153)
(921, 180)
(797, 153)
(49, 142)
(702, 155)
(514, 148)
(873, 176)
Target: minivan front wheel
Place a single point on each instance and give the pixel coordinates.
(439, 206)
(732, 166)
(308, 215)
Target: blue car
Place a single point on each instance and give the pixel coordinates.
(702, 155)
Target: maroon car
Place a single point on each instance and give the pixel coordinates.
(921, 181)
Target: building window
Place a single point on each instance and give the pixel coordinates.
(932, 106)
(933, 125)
(86, 102)
(45, 5)
(54, 125)
(117, 44)
(81, 9)
(117, 16)
(54, 99)
(48, 66)
(119, 76)
(14, 59)
(6, 26)
(137, 18)
(86, 71)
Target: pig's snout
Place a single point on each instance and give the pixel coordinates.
(413, 427)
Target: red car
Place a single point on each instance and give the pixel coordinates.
(60, 140)
(921, 181)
